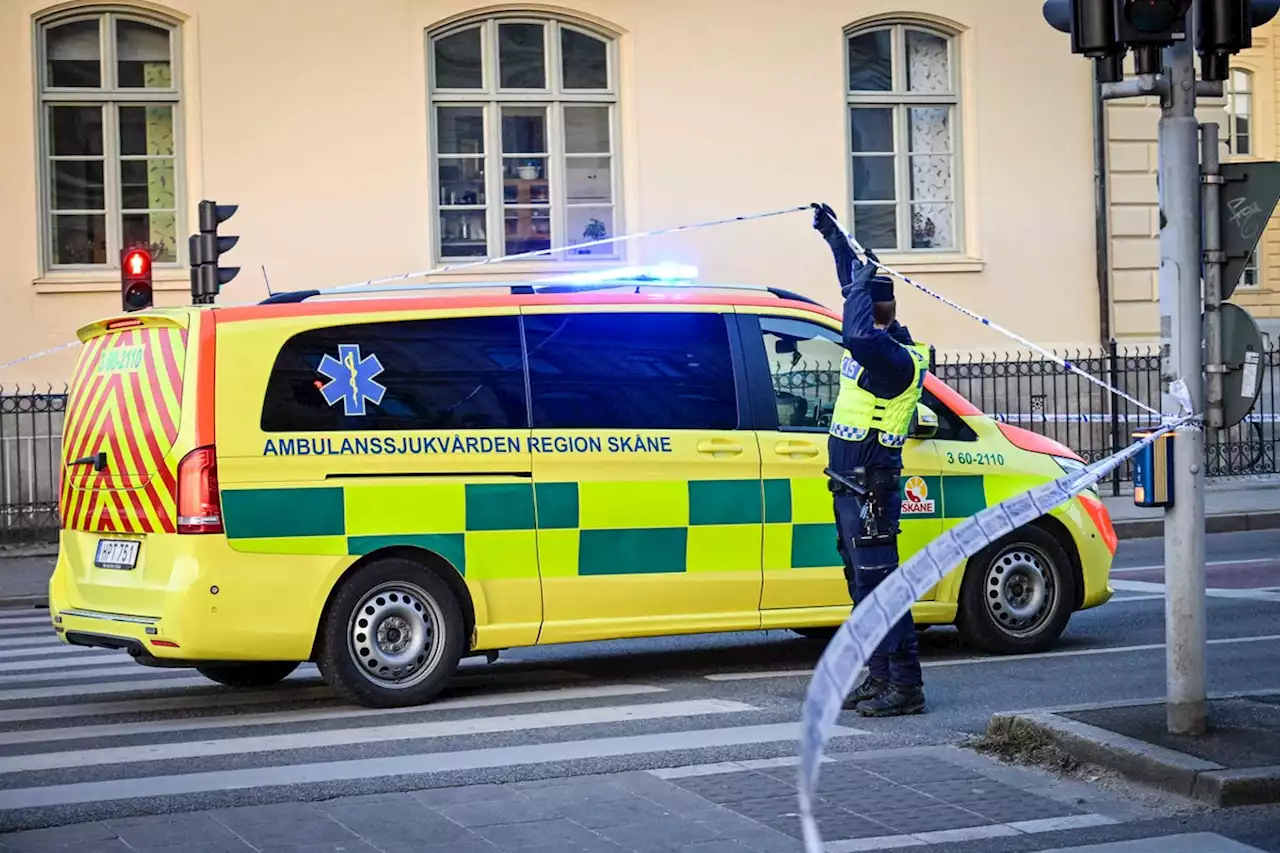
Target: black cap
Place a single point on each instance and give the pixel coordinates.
(881, 289)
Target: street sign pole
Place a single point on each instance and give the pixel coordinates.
(1211, 177)
(1180, 329)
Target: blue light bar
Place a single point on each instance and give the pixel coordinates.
(639, 274)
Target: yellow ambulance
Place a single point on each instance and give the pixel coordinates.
(386, 484)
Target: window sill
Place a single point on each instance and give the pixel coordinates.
(108, 282)
(911, 262)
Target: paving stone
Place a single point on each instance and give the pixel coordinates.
(233, 846)
(270, 813)
(662, 792)
(971, 791)
(30, 842)
(503, 808)
(147, 833)
(596, 815)
(380, 825)
(669, 835)
(461, 794)
(907, 821)
(327, 847)
(556, 796)
(724, 845)
(909, 770)
(112, 845)
(541, 833)
(70, 834)
(296, 831)
(875, 800)
(1024, 807)
(474, 845)
(731, 787)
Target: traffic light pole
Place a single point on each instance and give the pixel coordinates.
(1180, 331)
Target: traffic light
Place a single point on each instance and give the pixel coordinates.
(1105, 30)
(135, 279)
(1092, 25)
(1224, 28)
(1149, 26)
(206, 247)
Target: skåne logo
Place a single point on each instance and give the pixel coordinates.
(352, 379)
(917, 498)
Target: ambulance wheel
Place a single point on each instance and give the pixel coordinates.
(1017, 594)
(392, 636)
(257, 674)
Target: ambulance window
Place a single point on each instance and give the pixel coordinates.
(804, 365)
(455, 373)
(951, 427)
(631, 371)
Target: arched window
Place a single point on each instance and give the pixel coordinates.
(523, 137)
(109, 91)
(903, 97)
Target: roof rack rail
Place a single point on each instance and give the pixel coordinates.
(531, 288)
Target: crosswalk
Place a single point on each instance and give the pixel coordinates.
(88, 734)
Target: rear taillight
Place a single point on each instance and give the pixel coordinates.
(199, 506)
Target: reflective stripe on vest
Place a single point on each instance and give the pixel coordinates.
(858, 411)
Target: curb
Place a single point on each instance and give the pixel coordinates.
(1157, 766)
(1150, 528)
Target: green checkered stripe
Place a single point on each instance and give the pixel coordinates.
(584, 529)
(800, 530)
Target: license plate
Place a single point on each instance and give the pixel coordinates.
(117, 553)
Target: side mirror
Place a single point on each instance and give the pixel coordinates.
(925, 423)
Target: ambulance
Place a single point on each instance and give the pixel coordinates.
(385, 484)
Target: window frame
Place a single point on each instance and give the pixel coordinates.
(110, 97)
(1254, 262)
(491, 98)
(901, 101)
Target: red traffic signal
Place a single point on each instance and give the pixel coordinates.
(135, 279)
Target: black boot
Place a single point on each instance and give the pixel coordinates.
(894, 702)
(868, 689)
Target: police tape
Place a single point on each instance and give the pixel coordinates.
(40, 354)
(1062, 362)
(890, 601)
(537, 253)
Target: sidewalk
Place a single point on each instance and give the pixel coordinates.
(877, 800)
(1236, 763)
(1232, 504)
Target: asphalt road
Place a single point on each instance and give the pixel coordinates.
(87, 735)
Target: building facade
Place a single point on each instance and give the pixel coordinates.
(1247, 117)
(368, 139)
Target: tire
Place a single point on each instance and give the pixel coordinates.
(257, 674)
(415, 643)
(823, 634)
(1017, 595)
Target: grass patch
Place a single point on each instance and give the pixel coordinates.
(1012, 742)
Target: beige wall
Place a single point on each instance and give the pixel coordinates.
(312, 117)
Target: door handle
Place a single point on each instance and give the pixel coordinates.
(719, 445)
(796, 448)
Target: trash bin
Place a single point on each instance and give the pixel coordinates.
(1153, 471)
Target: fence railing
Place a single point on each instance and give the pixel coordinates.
(1025, 390)
(1037, 394)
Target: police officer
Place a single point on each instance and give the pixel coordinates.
(881, 377)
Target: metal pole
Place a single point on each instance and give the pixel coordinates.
(1180, 306)
(1213, 261)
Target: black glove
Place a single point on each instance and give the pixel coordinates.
(824, 222)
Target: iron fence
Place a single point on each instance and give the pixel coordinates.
(30, 451)
(1024, 390)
